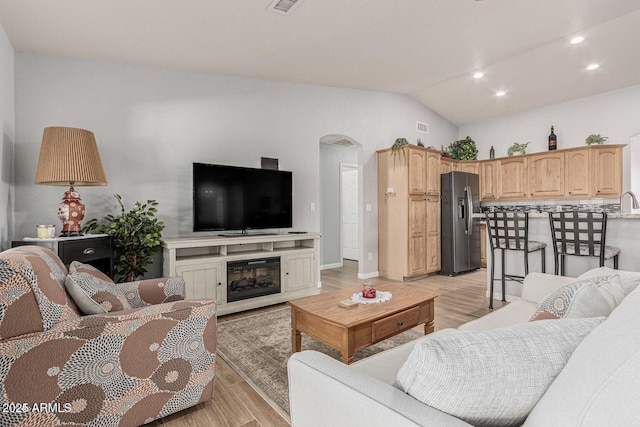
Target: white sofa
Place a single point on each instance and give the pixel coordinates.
(599, 386)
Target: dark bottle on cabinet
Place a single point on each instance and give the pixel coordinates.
(553, 142)
(492, 153)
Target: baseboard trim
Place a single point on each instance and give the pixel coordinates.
(330, 266)
(368, 275)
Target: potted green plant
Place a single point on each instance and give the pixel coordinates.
(397, 147)
(136, 237)
(463, 149)
(518, 148)
(595, 139)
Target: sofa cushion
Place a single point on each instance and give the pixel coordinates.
(599, 384)
(93, 291)
(591, 297)
(494, 377)
(518, 311)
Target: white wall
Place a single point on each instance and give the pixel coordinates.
(613, 114)
(152, 123)
(7, 126)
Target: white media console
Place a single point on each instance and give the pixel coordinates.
(209, 268)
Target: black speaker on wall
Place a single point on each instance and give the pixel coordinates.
(268, 163)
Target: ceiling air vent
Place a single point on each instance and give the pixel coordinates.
(422, 127)
(284, 7)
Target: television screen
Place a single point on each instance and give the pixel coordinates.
(237, 198)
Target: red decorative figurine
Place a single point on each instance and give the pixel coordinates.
(369, 290)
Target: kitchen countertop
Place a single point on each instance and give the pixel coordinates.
(610, 215)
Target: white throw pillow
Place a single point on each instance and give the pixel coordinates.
(591, 297)
(494, 377)
(628, 279)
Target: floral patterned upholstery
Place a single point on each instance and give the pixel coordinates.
(121, 368)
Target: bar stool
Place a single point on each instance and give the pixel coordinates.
(580, 234)
(510, 231)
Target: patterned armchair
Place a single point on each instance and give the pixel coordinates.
(118, 368)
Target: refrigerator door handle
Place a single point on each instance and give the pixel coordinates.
(469, 209)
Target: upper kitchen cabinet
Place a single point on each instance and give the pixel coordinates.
(433, 173)
(489, 179)
(546, 174)
(607, 170)
(581, 172)
(446, 165)
(512, 178)
(468, 166)
(417, 169)
(577, 172)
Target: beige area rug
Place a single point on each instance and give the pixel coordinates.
(259, 346)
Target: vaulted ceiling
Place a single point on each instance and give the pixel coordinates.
(428, 49)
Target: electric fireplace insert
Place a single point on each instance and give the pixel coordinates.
(253, 278)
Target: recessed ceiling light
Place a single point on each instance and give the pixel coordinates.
(478, 75)
(577, 39)
(501, 93)
(593, 67)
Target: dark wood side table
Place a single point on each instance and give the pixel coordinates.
(96, 249)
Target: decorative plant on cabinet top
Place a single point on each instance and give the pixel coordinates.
(398, 146)
(595, 139)
(463, 149)
(518, 148)
(136, 237)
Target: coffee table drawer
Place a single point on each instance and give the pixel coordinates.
(384, 328)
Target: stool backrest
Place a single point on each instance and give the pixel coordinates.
(579, 233)
(508, 230)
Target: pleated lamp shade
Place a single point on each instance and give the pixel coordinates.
(69, 156)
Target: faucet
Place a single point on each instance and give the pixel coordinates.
(634, 201)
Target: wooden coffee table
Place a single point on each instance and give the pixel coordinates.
(351, 329)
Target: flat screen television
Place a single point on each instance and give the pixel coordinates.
(238, 198)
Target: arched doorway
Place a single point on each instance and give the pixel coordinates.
(340, 200)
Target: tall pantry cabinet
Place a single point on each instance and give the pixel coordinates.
(408, 212)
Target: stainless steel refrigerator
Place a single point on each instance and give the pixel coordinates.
(460, 233)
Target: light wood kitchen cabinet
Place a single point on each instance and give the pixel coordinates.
(433, 234)
(591, 171)
(417, 235)
(446, 165)
(417, 169)
(607, 171)
(433, 172)
(488, 180)
(468, 166)
(408, 221)
(546, 175)
(577, 172)
(512, 178)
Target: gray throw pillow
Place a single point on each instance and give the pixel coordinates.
(494, 377)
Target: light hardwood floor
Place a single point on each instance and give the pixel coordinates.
(235, 403)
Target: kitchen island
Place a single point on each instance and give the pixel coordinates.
(623, 231)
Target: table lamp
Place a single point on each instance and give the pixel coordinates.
(69, 156)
